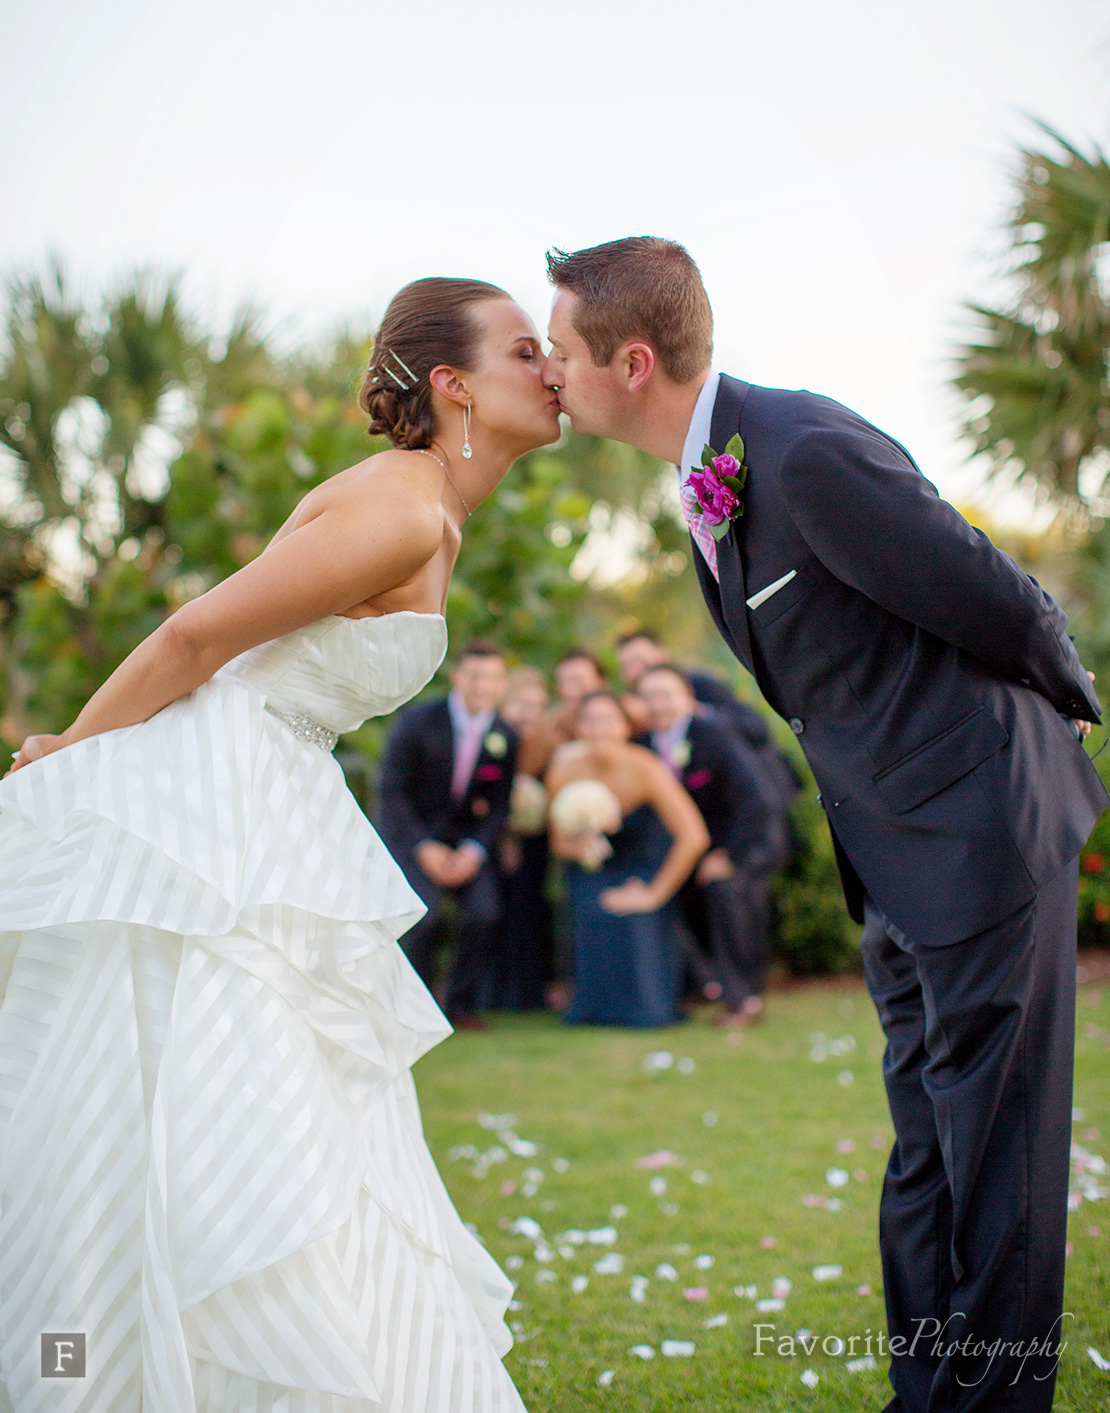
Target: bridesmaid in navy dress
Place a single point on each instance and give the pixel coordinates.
(626, 946)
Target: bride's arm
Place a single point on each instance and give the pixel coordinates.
(362, 543)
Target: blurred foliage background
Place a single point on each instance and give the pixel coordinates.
(144, 455)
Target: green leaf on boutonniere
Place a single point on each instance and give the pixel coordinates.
(734, 483)
(707, 455)
(720, 531)
(735, 447)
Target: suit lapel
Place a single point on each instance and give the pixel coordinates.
(727, 411)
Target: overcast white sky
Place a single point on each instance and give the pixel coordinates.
(838, 171)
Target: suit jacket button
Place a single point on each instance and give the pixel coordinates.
(797, 725)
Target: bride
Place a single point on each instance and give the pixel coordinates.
(211, 1159)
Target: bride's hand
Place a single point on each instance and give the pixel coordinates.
(632, 897)
(34, 748)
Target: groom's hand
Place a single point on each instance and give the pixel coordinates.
(1083, 727)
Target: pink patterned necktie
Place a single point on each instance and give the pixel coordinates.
(703, 538)
(466, 757)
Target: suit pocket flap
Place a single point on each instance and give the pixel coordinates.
(941, 761)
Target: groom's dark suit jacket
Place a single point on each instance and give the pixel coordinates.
(928, 679)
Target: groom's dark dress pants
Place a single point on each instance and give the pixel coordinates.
(978, 1069)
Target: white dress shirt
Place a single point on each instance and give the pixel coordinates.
(701, 424)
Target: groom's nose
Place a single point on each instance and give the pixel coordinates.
(549, 378)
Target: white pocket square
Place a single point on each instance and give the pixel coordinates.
(765, 594)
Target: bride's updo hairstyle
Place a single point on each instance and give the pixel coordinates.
(429, 322)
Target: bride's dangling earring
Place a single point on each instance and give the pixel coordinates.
(467, 449)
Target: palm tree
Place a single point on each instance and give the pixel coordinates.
(1037, 375)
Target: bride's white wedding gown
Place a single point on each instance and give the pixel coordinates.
(211, 1157)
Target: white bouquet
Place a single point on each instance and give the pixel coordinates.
(527, 806)
(587, 810)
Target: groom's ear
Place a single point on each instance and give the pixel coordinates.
(636, 362)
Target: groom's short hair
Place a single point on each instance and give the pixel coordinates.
(640, 287)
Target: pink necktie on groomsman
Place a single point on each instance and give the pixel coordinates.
(703, 538)
(466, 757)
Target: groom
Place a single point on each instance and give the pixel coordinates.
(935, 692)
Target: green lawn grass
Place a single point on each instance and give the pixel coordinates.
(756, 1122)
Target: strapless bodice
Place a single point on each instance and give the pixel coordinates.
(341, 671)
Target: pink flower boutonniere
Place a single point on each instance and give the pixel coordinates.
(715, 491)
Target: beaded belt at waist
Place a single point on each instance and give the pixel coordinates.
(305, 729)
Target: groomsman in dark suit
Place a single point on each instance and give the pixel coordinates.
(726, 901)
(637, 652)
(941, 705)
(446, 779)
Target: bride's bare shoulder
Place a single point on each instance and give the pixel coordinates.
(389, 485)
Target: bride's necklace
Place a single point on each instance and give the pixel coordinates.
(447, 473)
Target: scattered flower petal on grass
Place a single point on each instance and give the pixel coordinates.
(827, 1273)
(810, 1379)
(514, 1263)
(846, 1145)
(745, 1292)
(699, 1175)
(715, 1322)
(845, 1077)
(527, 1226)
(507, 1189)
(669, 1209)
(834, 1204)
(704, 1263)
(812, 1199)
(521, 1147)
(611, 1264)
(579, 1283)
(709, 1118)
(664, 1158)
(545, 1277)
(565, 1251)
(1067, 1249)
(602, 1236)
(860, 1174)
(657, 1186)
(496, 1121)
(878, 1141)
(696, 1292)
(606, 1378)
(666, 1272)
(836, 1177)
(863, 1290)
(560, 1165)
(1097, 1360)
(770, 1302)
(781, 1287)
(638, 1289)
(767, 1242)
(617, 1211)
(686, 1065)
(642, 1351)
(860, 1366)
(677, 1348)
(657, 1061)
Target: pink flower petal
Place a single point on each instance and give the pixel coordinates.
(697, 1292)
